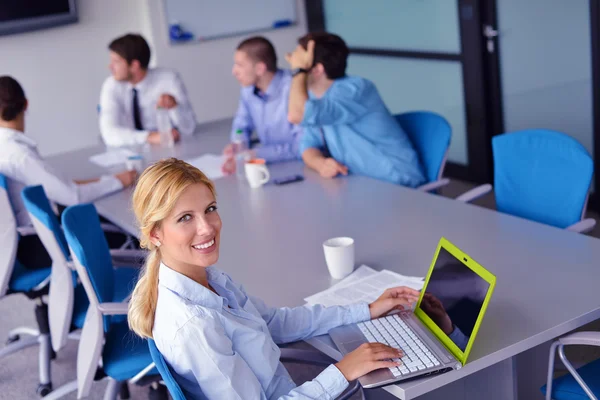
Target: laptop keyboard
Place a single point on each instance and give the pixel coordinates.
(394, 332)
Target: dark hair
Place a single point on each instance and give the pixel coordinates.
(132, 47)
(12, 98)
(259, 49)
(330, 50)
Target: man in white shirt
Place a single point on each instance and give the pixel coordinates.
(23, 166)
(131, 96)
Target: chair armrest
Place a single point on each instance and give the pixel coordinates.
(26, 230)
(305, 357)
(588, 338)
(127, 253)
(428, 187)
(113, 308)
(317, 358)
(475, 193)
(43, 284)
(583, 226)
(110, 228)
(128, 258)
(71, 265)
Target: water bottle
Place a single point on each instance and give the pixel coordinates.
(239, 151)
(164, 126)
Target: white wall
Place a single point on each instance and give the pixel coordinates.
(62, 70)
(206, 67)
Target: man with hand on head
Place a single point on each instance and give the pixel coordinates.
(346, 126)
(263, 104)
(130, 98)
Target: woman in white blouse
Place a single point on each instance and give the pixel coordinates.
(23, 166)
(220, 342)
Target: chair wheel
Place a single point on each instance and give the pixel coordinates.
(12, 339)
(43, 389)
(160, 393)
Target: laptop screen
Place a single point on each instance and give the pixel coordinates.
(454, 297)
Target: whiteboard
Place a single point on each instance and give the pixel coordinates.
(198, 20)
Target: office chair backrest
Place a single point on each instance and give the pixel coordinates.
(9, 237)
(542, 175)
(62, 293)
(430, 133)
(165, 372)
(90, 250)
(38, 206)
(92, 260)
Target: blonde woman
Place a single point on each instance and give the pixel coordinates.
(220, 342)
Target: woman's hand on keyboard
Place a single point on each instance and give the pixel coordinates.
(397, 298)
(366, 358)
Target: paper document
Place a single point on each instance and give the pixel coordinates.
(112, 157)
(364, 284)
(361, 272)
(210, 164)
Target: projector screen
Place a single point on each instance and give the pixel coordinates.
(18, 16)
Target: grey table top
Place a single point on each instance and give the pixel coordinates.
(272, 238)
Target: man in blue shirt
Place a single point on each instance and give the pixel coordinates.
(346, 126)
(263, 103)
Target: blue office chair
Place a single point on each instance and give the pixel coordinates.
(64, 290)
(579, 384)
(67, 299)
(105, 335)
(541, 175)
(430, 133)
(165, 372)
(15, 278)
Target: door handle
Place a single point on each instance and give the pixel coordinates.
(490, 33)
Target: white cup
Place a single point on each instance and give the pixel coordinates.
(339, 256)
(135, 163)
(257, 173)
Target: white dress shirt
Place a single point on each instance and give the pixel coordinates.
(22, 165)
(223, 346)
(116, 107)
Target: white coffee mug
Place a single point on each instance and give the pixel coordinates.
(339, 256)
(257, 173)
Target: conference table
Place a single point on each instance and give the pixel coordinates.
(272, 237)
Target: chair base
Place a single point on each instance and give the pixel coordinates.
(44, 389)
(112, 390)
(14, 334)
(62, 391)
(124, 391)
(34, 337)
(15, 344)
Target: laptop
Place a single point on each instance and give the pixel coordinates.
(439, 334)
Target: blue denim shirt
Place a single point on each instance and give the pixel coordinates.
(223, 346)
(360, 133)
(266, 113)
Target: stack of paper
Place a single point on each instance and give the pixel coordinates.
(112, 157)
(364, 284)
(209, 164)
